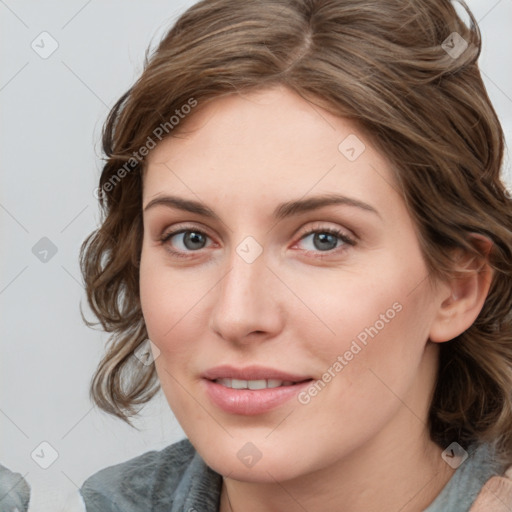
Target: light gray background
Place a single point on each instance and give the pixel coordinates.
(53, 110)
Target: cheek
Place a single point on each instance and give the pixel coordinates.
(174, 304)
(168, 301)
(366, 373)
(369, 325)
(386, 297)
(168, 295)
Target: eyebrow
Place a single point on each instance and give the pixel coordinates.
(282, 211)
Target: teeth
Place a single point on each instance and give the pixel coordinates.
(253, 384)
(257, 384)
(238, 384)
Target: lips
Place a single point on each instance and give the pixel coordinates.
(251, 390)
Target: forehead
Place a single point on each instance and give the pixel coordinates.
(263, 142)
(271, 121)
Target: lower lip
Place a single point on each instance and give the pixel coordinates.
(251, 402)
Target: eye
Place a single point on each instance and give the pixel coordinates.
(327, 240)
(185, 239)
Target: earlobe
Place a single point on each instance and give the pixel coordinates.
(462, 298)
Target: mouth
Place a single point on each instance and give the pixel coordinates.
(256, 384)
(251, 390)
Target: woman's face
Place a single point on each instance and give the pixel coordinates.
(294, 271)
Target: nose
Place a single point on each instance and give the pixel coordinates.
(247, 304)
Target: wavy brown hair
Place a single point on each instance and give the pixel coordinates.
(392, 67)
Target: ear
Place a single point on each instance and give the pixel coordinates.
(461, 298)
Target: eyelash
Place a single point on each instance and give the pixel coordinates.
(332, 231)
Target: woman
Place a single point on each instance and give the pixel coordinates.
(303, 212)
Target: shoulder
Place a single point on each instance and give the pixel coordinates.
(14, 490)
(496, 494)
(146, 482)
(478, 475)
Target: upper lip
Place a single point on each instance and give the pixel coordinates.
(251, 373)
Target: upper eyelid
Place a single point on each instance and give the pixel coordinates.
(318, 225)
(181, 228)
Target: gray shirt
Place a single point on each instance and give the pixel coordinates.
(176, 479)
(14, 491)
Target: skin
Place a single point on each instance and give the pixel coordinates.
(366, 432)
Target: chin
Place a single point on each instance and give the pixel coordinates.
(259, 473)
(266, 466)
